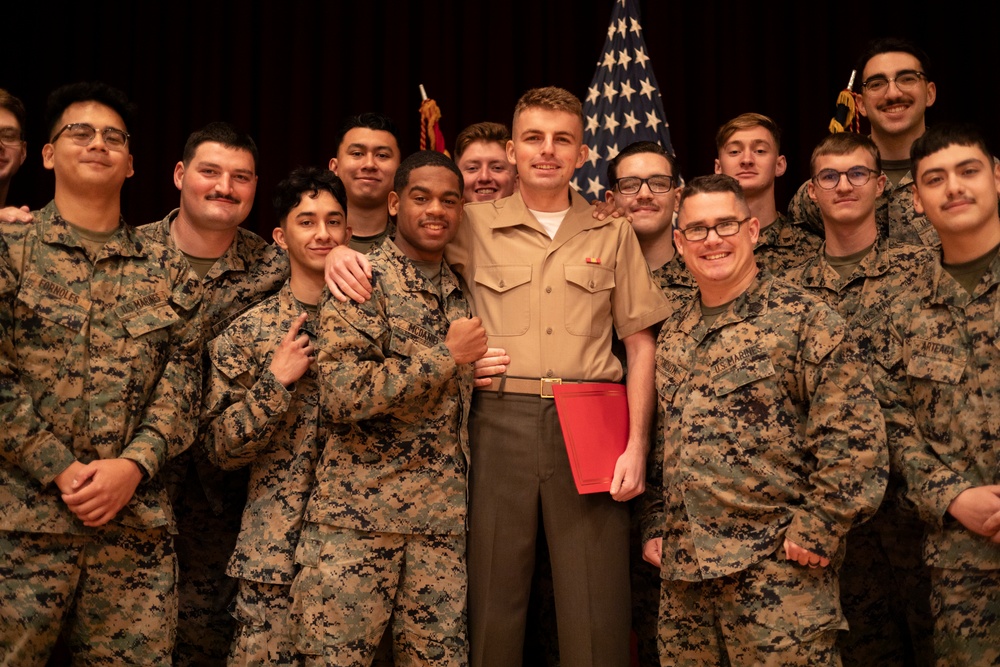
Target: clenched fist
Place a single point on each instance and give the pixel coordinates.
(466, 340)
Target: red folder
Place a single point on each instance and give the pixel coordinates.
(594, 421)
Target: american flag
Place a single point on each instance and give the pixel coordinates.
(623, 103)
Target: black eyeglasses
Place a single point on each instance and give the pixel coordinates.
(724, 228)
(630, 185)
(857, 176)
(905, 80)
(82, 134)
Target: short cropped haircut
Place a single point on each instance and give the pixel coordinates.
(892, 45)
(425, 159)
(712, 184)
(220, 133)
(15, 106)
(637, 148)
(942, 135)
(371, 120)
(746, 121)
(552, 98)
(87, 91)
(486, 132)
(309, 181)
(844, 143)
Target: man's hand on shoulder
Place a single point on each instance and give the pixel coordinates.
(348, 274)
(16, 214)
(607, 209)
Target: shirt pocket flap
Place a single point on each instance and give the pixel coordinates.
(228, 358)
(746, 371)
(502, 278)
(146, 315)
(73, 316)
(947, 369)
(590, 277)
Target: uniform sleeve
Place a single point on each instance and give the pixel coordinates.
(368, 367)
(804, 212)
(170, 418)
(243, 402)
(638, 302)
(27, 441)
(652, 517)
(930, 484)
(845, 434)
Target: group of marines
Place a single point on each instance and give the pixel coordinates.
(343, 447)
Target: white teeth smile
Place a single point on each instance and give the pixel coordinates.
(485, 191)
(719, 255)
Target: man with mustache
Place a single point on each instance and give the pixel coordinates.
(943, 429)
(749, 150)
(896, 90)
(217, 179)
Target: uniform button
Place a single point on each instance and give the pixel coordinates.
(549, 331)
(548, 290)
(592, 284)
(548, 373)
(502, 284)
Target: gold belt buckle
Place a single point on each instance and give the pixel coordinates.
(547, 384)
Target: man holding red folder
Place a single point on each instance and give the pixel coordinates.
(775, 447)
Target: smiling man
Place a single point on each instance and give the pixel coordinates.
(386, 520)
(884, 587)
(262, 411)
(217, 180)
(773, 446)
(896, 91)
(13, 147)
(366, 160)
(100, 375)
(749, 150)
(943, 435)
(481, 156)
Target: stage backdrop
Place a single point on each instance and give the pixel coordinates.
(288, 72)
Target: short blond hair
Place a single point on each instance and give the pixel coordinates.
(550, 97)
(746, 121)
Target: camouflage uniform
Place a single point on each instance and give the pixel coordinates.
(775, 433)
(782, 245)
(943, 433)
(884, 585)
(209, 501)
(897, 219)
(252, 420)
(679, 287)
(386, 531)
(99, 359)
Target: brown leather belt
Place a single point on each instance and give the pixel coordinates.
(503, 384)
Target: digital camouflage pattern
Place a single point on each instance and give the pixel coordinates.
(894, 212)
(209, 501)
(774, 432)
(350, 583)
(884, 585)
(782, 245)
(112, 594)
(386, 531)
(401, 464)
(943, 425)
(676, 281)
(99, 359)
(264, 630)
(252, 420)
(776, 613)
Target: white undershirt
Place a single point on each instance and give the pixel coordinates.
(550, 220)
